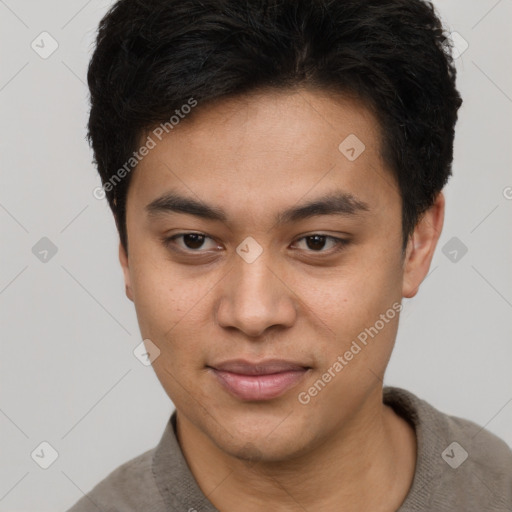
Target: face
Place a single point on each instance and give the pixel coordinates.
(254, 235)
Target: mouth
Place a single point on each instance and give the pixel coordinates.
(258, 381)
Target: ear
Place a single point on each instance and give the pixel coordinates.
(421, 247)
(123, 259)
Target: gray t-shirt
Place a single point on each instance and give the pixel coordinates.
(460, 467)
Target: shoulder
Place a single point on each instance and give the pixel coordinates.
(460, 464)
(130, 487)
(484, 459)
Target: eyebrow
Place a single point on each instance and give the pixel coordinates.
(334, 203)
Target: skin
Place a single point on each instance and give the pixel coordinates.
(254, 156)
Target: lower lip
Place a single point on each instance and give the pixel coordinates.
(259, 387)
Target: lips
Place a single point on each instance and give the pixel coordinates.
(255, 381)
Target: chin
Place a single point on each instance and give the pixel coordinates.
(260, 447)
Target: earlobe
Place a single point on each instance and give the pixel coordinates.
(421, 247)
(123, 260)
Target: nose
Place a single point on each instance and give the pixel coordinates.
(255, 297)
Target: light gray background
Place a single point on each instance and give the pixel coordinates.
(68, 374)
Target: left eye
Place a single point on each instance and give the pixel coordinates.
(317, 242)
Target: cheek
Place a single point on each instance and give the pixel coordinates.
(352, 296)
(168, 303)
(356, 303)
(171, 313)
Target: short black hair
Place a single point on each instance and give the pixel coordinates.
(153, 57)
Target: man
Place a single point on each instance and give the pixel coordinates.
(275, 170)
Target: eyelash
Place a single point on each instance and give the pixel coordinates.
(340, 243)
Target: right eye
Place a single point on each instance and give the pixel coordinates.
(189, 242)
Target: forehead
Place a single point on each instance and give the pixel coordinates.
(264, 151)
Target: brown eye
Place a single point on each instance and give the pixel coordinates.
(193, 240)
(318, 242)
(190, 242)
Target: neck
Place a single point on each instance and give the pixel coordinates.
(372, 457)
